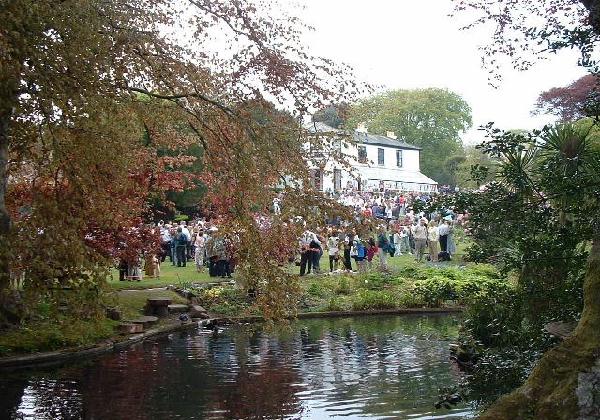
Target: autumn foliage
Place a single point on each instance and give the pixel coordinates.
(93, 92)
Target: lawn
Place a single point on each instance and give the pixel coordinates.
(132, 302)
(169, 275)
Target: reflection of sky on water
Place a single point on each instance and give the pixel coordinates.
(383, 367)
(50, 399)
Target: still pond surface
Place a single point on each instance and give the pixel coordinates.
(349, 368)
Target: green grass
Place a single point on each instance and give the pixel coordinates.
(132, 302)
(169, 275)
(54, 334)
(66, 331)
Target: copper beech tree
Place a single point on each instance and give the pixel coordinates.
(90, 90)
(577, 100)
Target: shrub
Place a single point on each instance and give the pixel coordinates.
(343, 286)
(409, 300)
(484, 270)
(334, 304)
(210, 297)
(435, 290)
(374, 299)
(316, 290)
(460, 285)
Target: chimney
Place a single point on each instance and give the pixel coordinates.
(391, 135)
(362, 128)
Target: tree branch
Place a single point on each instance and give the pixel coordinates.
(176, 96)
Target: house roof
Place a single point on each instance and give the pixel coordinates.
(359, 137)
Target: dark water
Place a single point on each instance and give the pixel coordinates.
(380, 367)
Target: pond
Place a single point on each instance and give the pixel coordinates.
(376, 366)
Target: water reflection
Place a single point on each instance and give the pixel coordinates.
(383, 367)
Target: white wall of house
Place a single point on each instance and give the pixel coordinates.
(372, 173)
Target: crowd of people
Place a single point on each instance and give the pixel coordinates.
(198, 243)
(400, 230)
(387, 222)
(424, 239)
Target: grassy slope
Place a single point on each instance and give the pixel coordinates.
(169, 275)
(64, 331)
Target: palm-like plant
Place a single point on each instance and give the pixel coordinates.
(568, 168)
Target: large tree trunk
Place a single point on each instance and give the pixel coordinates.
(549, 392)
(5, 116)
(7, 101)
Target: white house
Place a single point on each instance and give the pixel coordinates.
(372, 162)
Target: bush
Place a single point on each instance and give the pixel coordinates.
(334, 304)
(316, 290)
(343, 287)
(461, 285)
(223, 300)
(374, 299)
(435, 290)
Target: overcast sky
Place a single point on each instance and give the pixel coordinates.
(414, 44)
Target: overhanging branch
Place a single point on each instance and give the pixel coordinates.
(176, 96)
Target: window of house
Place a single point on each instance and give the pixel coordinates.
(317, 179)
(380, 156)
(362, 154)
(399, 158)
(337, 179)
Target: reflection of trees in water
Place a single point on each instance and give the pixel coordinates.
(131, 375)
(386, 364)
(264, 384)
(377, 360)
(268, 390)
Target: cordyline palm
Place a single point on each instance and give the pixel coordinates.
(568, 168)
(516, 171)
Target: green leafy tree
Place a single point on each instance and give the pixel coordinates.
(432, 119)
(333, 115)
(525, 32)
(537, 218)
(473, 169)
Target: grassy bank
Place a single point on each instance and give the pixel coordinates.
(169, 275)
(64, 331)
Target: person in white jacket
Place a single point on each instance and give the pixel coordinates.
(397, 243)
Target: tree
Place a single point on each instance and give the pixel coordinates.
(536, 218)
(474, 168)
(526, 32)
(333, 115)
(432, 119)
(579, 99)
(84, 82)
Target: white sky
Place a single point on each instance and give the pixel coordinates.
(414, 44)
